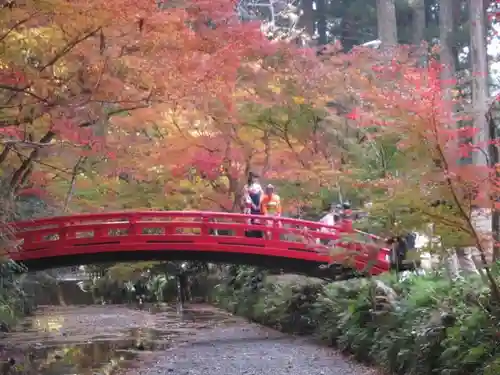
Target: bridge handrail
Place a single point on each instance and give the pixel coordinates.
(312, 232)
(139, 216)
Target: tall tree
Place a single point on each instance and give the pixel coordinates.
(418, 29)
(386, 23)
(418, 20)
(307, 20)
(446, 43)
(322, 21)
(479, 68)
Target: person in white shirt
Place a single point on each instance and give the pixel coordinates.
(332, 216)
(330, 219)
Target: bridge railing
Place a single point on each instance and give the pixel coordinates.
(278, 232)
(177, 223)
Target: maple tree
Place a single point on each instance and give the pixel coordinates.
(203, 156)
(162, 107)
(69, 70)
(414, 162)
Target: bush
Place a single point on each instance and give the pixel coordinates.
(14, 301)
(420, 326)
(153, 282)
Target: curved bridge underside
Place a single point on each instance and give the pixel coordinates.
(287, 244)
(286, 265)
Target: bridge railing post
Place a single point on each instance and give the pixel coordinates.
(205, 230)
(270, 225)
(276, 226)
(133, 228)
(63, 231)
(100, 231)
(240, 227)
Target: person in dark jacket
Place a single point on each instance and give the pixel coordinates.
(252, 195)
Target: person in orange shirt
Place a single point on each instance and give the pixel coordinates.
(270, 205)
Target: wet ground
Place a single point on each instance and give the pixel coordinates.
(95, 340)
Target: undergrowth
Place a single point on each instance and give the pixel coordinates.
(423, 325)
(15, 303)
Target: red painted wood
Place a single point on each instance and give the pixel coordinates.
(193, 231)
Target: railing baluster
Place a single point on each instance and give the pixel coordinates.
(205, 225)
(133, 228)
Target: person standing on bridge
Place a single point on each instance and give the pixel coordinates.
(252, 195)
(270, 205)
(330, 219)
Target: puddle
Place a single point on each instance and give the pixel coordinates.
(101, 356)
(81, 342)
(83, 359)
(192, 315)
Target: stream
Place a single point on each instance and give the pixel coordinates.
(118, 340)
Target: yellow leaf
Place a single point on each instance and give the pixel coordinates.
(298, 100)
(275, 89)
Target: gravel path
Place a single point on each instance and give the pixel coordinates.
(244, 348)
(205, 341)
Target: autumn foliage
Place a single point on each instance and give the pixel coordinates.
(434, 139)
(182, 97)
(426, 146)
(69, 69)
(123, 105)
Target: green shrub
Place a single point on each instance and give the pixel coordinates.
(419, 326)
(15, 302)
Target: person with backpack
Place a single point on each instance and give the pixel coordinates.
(251, 199)
(252, 195)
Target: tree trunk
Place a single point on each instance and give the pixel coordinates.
(418, 28)
(307, 18)
(494, 159)
(446, 49)
(322, 25)
(448, 74)
(60, 295)
(479, 69)
(386, 23)
(480, 92)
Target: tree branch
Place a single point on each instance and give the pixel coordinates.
(71, 189)
(18, 174)
(22, 143)
(68, 48)
(22, 90)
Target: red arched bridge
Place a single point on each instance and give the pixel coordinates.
(278, 243)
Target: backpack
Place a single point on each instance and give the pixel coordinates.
(411, 239)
